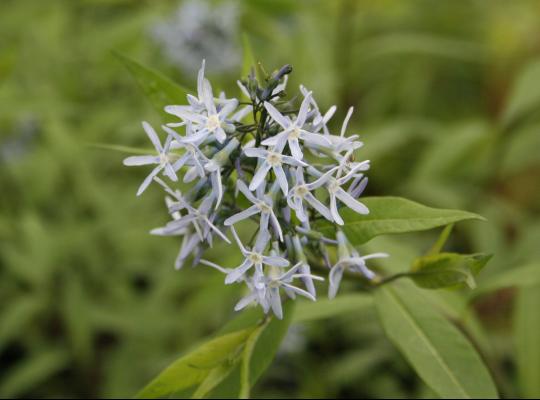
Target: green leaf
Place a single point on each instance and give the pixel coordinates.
(441, 355)
(248, 60)
(325, 308)
(525, 95)
(266, 345)
(160, 90)
(524, 276)
(245, 383)
(441, 241)
(194, 367)
(33, 371)
(389, 215)
(447, 269)
(121, 148)
(526, 328)
(214, 378)
(262, 347)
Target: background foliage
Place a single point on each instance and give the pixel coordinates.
(447, 101)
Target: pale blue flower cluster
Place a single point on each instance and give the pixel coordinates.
(289, 170)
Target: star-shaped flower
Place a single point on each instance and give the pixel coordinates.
(162, 159)
(293, 131)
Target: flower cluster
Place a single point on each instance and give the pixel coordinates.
(261, 160)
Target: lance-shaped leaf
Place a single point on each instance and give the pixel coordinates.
(195, 367)
(160, 90)
(447, 269)
(438, 351)
(524, 276)
(257, 355)
(527, 345)
(389, 215)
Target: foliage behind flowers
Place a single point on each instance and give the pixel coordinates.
(446, 102)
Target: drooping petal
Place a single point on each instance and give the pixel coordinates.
(281, 179)
(275, 302)
(304, 107)
(296, 150)
(334, 210)
(351, 202)
(335, 276)
(276, 261)
(241, 215)
(277, 116)
(149, 179)
(320, 207)
(238, 272)
(259, 176)
(152, 135)
(140, 160)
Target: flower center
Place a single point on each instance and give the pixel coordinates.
(333, 185)
(265, 208)
(301, 191)
(213, 122)
(255, 258)
(274, 159)
(163, 159)
(295, 133)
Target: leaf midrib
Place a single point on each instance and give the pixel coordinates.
(431, 348)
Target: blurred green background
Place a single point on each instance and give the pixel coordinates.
(447, 99)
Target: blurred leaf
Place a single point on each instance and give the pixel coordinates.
(245, 381)
(525, 94)
(397, 44)
(122, 149)
(436, 349)
(262, 347)
(524, 276)
(194, 367)
(214, 378)
(32, 371)
(265, 346)
(325, 308)
(521, 150)
(160, 90)
(447, 269)
(15, 318)
(248, 60)
(389, 215)
(526, 328)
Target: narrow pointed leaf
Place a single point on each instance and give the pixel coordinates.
(440, 354)
(526, 328)
(447, 269)
(160, 90)
(390, 215)
(194, 367)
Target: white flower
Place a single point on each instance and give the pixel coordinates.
(293, 131)
(349, 259)
(336, 192)
(199, 219)
(254, 257)
(162, 159)
(262, 204)
(265, 290)
(272, 160)
(207, 120)
(193, 156)
(301, 192)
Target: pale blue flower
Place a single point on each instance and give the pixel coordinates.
(162, 159)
